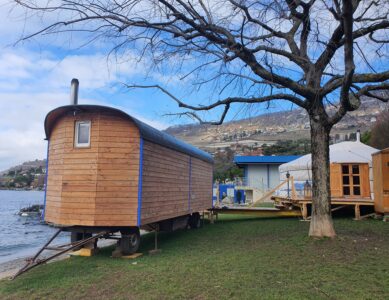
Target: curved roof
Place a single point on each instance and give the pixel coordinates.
(146, 131)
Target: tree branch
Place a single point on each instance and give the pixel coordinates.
(229, 100)
(336, 81)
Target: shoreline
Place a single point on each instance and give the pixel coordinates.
(9, 268)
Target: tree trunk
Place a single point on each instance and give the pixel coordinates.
(321, 222)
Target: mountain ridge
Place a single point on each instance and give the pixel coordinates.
(272, 127)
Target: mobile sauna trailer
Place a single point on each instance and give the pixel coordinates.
(381, 181)
(108, 170)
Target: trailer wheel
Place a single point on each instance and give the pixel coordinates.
(195, 221)
(129, 242)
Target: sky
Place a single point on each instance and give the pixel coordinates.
(35, 78)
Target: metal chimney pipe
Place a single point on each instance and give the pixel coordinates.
(358, 135)
(74, 91)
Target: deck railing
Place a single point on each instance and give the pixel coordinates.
(297, 189)
(247, 182)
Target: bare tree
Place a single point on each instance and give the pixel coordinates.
(315, 54)
(380, 131)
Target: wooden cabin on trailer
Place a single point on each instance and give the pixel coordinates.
(351, 177)
(381, 181)
(109, 170)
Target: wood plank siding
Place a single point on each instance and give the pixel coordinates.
(168, 176)
(98, 185)
(381, 181)
(201, 185)
(336, 180)
(365, 180)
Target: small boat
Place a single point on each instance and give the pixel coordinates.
(32, 210)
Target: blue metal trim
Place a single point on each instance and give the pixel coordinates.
(268, 176)
(190, 182)
(47, 172)
(212, 187)
(267, 159)
(140, 180)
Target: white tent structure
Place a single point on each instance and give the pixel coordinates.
(344, 152)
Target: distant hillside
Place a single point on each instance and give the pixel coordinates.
(273, 127)
(28, 175)
(34, 164)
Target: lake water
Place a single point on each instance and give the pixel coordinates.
(22, 236)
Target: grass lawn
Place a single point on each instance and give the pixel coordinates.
(238, 258)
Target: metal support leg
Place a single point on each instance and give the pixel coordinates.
(33, 262)
(155, 250)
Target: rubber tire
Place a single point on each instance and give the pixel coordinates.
(195, 221)
(129, 242)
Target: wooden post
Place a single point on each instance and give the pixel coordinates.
(211, 217)
(288, 184)
(305, 211)
(294, 196)
(385, 218)
(357, 212)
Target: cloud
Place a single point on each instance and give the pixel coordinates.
(32, 84)
(21, 124)
(19, 67)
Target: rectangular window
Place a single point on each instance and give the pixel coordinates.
(345, 169)
(356, 180)
(346, 190)
(82, 134)
(355, 169)
(357, 191)
(351, 180)
(346, 180)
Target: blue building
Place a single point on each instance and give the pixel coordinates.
(221, 190)
(260, 174)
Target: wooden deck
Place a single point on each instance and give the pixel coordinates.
(336, 204)
(255, 211)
